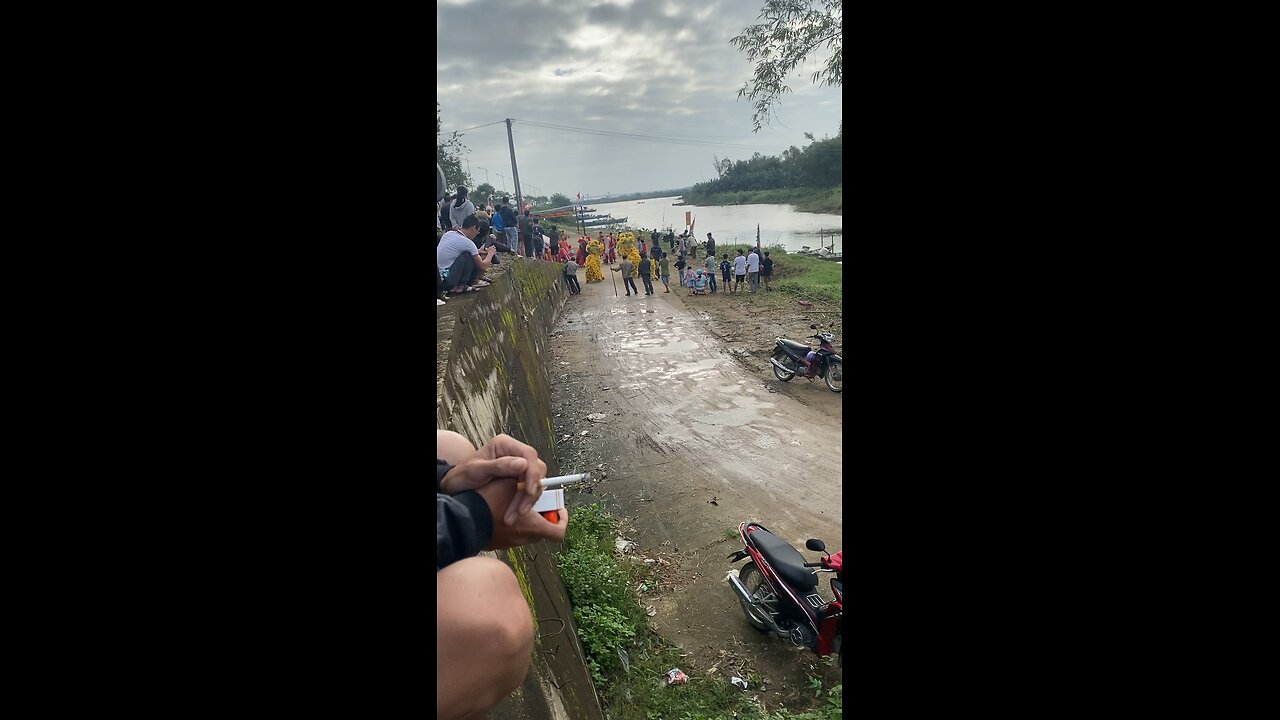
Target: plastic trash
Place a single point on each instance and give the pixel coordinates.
(676, 676)
(625, 658)
(739, 682)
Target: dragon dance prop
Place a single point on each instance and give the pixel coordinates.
(594, 249)
(627, 248)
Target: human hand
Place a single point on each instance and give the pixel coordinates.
(478, 472)
(527, 527)
(535, 470)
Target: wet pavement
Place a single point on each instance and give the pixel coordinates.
(694, 443)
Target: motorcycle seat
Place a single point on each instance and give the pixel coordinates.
(800, 347)
(785, 559)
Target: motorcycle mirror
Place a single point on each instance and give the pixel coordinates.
(815, 544)
(813, 327)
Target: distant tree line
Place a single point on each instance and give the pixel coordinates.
(819, 165)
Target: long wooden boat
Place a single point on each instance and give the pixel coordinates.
(603, 221)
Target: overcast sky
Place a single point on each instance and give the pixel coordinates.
(648, 67)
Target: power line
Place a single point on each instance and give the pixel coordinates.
(455, 132)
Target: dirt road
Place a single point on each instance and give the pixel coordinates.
(692, 443)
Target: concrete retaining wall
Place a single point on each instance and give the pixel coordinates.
(492, 378)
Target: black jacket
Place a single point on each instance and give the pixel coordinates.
(464, 524)
(508, 216)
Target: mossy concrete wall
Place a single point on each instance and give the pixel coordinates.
(492, 377)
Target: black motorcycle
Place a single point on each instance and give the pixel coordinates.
(789, 360)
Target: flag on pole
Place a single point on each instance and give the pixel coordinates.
(695, 222)
(757, 237)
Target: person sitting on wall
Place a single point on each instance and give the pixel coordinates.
(459, 261)
(484, 625)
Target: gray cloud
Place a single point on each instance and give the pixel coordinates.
(646, 67)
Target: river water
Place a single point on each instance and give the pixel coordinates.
(779, 224)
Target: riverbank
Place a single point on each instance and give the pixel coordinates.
(814, 200)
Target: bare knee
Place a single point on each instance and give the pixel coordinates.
(453, 448)
(486, 631)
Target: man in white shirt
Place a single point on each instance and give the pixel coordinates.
(458, 260)
(753, 270)
(739, 271)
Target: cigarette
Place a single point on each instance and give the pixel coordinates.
(559, 481)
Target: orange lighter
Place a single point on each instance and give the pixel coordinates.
(549, 505)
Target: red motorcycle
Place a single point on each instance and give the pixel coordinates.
(777, 590)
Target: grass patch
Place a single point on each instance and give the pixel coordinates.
(804, 277)
(609, 618)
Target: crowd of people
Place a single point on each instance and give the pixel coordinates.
(473, 237)
(498, 228)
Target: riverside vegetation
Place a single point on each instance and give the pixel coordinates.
(814, 200)
(612, 624)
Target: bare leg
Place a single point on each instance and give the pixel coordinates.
(484, 637)
(453, 448)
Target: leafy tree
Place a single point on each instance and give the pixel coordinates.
(483, 194)
(449, 157)
(789, 31)
(560, 200)
(818, 165)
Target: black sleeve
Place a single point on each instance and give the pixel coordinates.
(464, 526)
(442, 467)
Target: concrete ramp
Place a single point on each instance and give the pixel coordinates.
(492, 377)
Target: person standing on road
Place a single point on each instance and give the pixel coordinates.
(499, 229)
(526, 231)
(571, 277)
(509, 225)
(539, 243)
(739, 271)
(664, 272)
(753, 271)
(724, 271)
(680, 268)
(646, 271)
(711, 267)
(711, 250)
(766, 271)
(626, 268)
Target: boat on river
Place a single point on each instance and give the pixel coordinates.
(603, 221)
(820, 253)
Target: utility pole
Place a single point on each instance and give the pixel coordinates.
(515, 175)
(486, 174)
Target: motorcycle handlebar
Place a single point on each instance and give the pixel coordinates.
(817, 564)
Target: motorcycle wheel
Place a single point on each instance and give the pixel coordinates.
(759, 589)
(785, 359)
(835, 377)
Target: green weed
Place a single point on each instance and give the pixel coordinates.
(609, 617)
